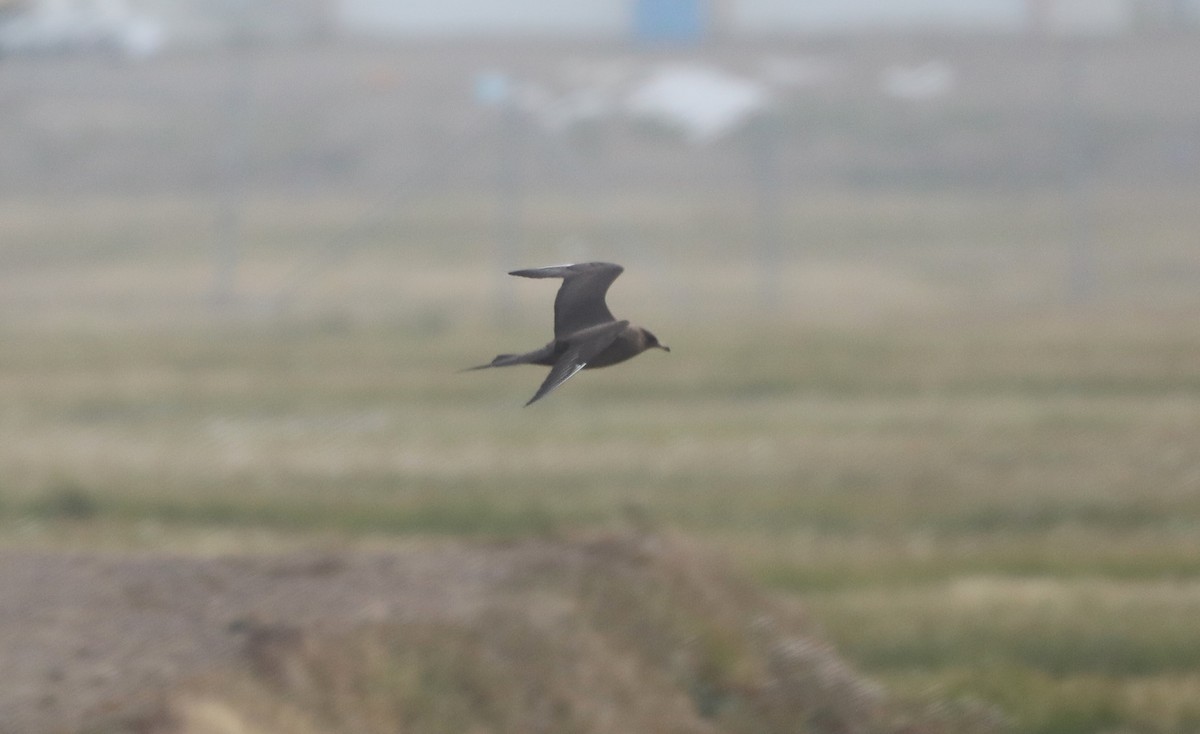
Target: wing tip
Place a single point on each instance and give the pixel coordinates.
(546, 271)
(562, 271)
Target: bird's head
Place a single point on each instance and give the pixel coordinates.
(653, 343)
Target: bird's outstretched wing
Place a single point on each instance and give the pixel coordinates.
(583, 347)
(564, 369)
(580, 300)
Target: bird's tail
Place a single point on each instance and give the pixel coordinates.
(502, 360)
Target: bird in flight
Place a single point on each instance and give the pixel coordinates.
(585, 333)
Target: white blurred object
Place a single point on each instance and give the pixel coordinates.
(577, 107)
(140, 37)
(929, 80)
(592, 88)
(492, 87)
(703, 103)
(61, 26)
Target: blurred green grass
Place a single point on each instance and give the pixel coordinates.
(974, 486)
(980, 517)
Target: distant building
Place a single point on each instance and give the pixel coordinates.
(11, 7)
(184, 22)
(828, 16)
(40, 27)
(1169, 14)
(1082, 17)
(204, 22)
(688, 19)
(484, 17)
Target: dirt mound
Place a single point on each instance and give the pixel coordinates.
(611, 634)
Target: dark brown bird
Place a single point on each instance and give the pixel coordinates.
(585, 333)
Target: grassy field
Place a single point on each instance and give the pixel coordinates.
(954, 417)
(976, 487)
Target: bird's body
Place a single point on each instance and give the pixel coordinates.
(586, 335)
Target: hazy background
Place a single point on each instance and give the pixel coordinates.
(990, 155)
(929, 271)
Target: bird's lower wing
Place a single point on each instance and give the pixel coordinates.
(563, 370)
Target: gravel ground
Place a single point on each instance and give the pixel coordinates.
(83, 636)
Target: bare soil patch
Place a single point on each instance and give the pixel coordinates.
(621, 632)
(83, 636)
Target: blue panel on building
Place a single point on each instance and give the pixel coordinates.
(674, 21)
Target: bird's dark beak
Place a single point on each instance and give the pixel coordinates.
(664, 347)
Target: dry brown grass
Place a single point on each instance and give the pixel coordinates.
(618, 633)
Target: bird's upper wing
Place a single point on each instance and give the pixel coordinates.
(580, 300)
(580, 349)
